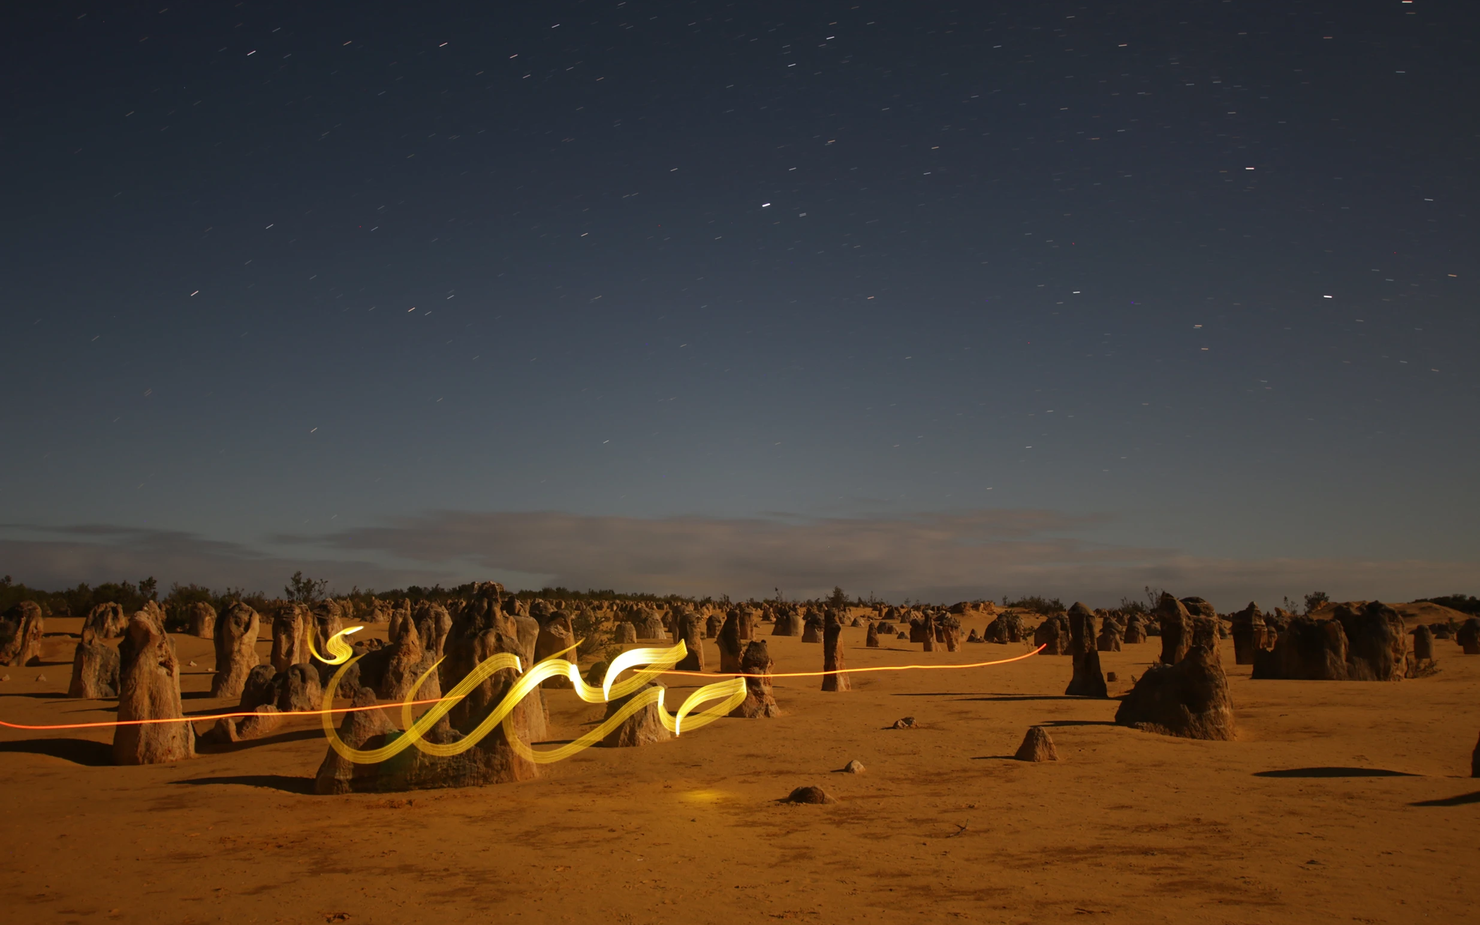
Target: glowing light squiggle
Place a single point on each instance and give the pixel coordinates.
(656, 661)
(339, 650)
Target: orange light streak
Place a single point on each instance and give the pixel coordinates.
(330, 711)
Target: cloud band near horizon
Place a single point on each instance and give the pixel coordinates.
(940, 557)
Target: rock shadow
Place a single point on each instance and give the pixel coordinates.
(1334, 772)
(1461, 800)
(282, 782)
(226, 748)
(78, 751)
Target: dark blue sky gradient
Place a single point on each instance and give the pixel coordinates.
(1201, 272)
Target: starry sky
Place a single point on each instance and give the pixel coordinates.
(926, 299)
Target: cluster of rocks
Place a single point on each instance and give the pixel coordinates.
(1356, 643)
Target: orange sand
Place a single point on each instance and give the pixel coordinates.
(1127, 827)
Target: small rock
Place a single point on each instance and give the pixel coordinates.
(192, 664)
(907, 723)
(853, 767)
(1111, 677)
(1037, 746)
(41, 677)
(810, 795)
(5, 678)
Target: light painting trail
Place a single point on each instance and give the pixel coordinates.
(654, 663)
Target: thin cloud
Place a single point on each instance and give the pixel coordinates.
(941, 557)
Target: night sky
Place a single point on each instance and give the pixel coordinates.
(940, 300)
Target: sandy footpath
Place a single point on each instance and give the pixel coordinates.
(1339, 802)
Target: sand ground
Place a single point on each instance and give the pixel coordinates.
(1339, 802)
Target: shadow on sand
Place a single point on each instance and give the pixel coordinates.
(226, 748)
(1461, 800)
(990, 698)
(281, 782)
(1334, 772)
(78, 751)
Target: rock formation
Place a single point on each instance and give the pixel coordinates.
(556, 635)
(1176, 628)
(812, 629)
(336, 775)
(813, 795)
(728, 639)
(948, 631)
(1357, 644)
(264, 721)
(297, 690)
(690, 629)
(651, 626)
(1423, 643)
(1037, 746)
(756, 664)
(1188, 699)
(788, 623)
(235, 641)
(106, 620)
(1377, 642)
(1004, 628)
(20, 635)
(871, 641)
(291, 628)
(201, 618)
(434, 622)
(626, 633)
(1468, 636)
(94, 668)
(1087, 680)
(644, 727)
(1307, 650)
(1248, 634)
(1053, 634)
(1135, 630)
(832, 657)
(258, 689)
(149, 688)
(1109, 638)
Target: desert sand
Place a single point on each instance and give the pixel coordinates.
(1337, 802)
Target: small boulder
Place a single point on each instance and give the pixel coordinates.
(906, 722)
(856, 767)
(812, 795)
(626, 633)
(1037, 746)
